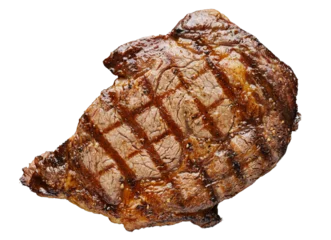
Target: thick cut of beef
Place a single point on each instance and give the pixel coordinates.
(194, 117)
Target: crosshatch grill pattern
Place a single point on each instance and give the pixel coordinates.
(130, 120)
(142, 140)
(194, 117)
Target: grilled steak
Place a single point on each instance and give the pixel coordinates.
(194, 117)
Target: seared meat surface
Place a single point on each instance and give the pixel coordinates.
(194, 117)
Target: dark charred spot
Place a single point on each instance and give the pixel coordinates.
(149, 212)
(39, 186)
(206, 180)
(162, 167)
(187, 218)
(131, 182)
(264, 149)
(141, 207)
(213, 199)
(189, 146)
(231, 154)
(212, 66)
(253, 63)
(236, 166)
(60, 154)
(178, 31)
(109, 207)
(196, 47)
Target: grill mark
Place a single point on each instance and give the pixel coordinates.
(150, 103)
(169, 92)
(131, 155)
(206, 180)
(202, 71)
(90, 180)
(251, 80)
(264, 147)
(158, 81)
(172, 126)
(104, 170)
(236, 170)
(224, 83)
(222, 80)
(215, 104)
(207, 119)
(141, 109)
(236, 167)
(210, 181)
(137, 130)
(263, 153)
(160, 137)
(104, 206)
(266, 86)
(161, 96)
(111, 127)
(209, 123)
(220, 76)
(268, 93)
(288, 72)
(110, 151)
(164, 70)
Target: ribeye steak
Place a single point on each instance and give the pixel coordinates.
(193, 118)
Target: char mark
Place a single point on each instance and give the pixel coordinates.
(173, 127)
(128, 118)
(97, 135)
(267, 88)
(223, 81)
(207, 119)
(236, 168)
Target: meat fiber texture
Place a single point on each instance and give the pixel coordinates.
(193, 118)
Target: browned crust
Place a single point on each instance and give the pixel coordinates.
(76, 183)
